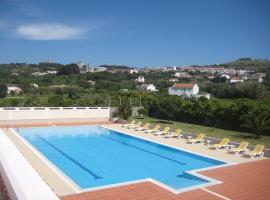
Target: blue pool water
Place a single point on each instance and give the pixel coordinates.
(94, 156)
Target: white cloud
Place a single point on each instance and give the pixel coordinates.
(49, 32)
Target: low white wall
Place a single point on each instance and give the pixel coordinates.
(21, 180)
(26, 113)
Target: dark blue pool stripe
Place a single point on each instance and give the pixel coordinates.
(95, 176)
(156, 154)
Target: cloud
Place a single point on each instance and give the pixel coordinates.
(49, 32)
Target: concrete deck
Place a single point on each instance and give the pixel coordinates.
(181, 143)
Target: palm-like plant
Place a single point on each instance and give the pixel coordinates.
(124, 110)
(258, 122)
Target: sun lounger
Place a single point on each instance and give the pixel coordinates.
(241, 148)
(176, 134)
(164, 132)
(198, 139)
(223, 144)
(134, 125)
(131, 123)
(257, 151)
(143, 128)
(154, 130)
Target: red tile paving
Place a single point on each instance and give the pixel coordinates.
(243, 181)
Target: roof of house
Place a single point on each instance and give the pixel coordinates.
(236, 78)
(184, 85)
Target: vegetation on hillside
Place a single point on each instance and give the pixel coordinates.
(232, 106)
(249, 64)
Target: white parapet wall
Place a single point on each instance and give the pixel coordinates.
(47, 113)
(20, 178)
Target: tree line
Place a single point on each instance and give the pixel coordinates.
(240, 114)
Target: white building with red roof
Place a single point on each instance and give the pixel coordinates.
(236, 79)
(184, 89)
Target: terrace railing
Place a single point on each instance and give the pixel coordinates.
(26, 113)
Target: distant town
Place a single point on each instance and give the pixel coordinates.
(237, 73)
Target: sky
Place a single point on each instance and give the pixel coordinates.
(134, 32)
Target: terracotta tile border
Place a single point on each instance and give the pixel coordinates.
(245, 181)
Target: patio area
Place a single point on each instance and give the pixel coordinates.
(249, 180)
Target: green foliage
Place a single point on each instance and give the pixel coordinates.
(69, 69)
(124, 110)
(215, 113)
(3, 90)
(56, 100)
(250, 90)
(143, 112)
(219, 80)
(258, 122)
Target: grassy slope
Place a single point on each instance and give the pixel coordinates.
(217, 133)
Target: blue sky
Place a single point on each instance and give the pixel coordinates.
(134, 32)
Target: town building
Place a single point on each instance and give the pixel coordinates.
(173, 79)
(147, 87)
(184, 89)
(100, 69)
(227, 76)
(140, 79)
(236, 79)
(13, 88)
(43, 73)
(136, 71)
(182, 75)
(34, 85)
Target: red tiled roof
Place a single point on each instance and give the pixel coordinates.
(236, 78)
(184, 85)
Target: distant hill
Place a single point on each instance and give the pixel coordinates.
(249, 64)
(116, 68)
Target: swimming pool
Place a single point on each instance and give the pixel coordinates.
(93, 156)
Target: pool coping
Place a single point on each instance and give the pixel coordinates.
(51, 165)
(78, 189)
(195, 172)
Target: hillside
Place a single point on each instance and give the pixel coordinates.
(249, 64)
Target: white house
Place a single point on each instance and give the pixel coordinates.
(34, 85)
(140, 79)
(236, 79)
(134, 71)
(100, 69)
(182, 75)
(184, 89)
(86, 68)
(227, 76)
(147, 87)
(80, 64)
(13, 88)
(173, 79)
